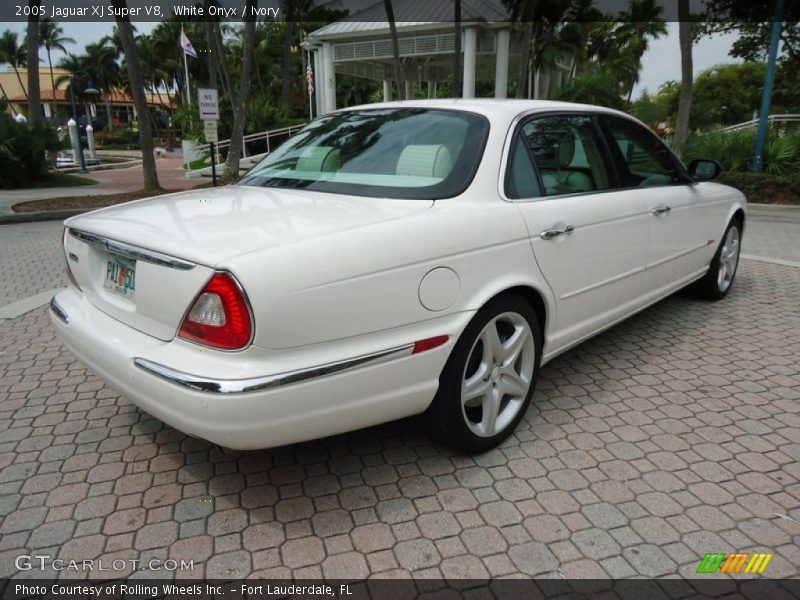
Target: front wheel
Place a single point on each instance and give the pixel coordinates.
(717, 282)
(489, 378)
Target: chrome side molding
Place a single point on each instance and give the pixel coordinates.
(254, 384)
(132, 251)
(58, 311)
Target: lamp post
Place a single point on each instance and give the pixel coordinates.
(90, 89)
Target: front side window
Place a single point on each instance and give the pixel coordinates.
(567, 151)
(645, 160)
(387, 153)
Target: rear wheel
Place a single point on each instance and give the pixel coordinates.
(489, 378)
(717, 282)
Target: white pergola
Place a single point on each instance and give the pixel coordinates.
(361, 45)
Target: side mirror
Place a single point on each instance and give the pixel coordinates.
(704, 169)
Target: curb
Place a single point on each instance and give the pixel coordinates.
(46, 215)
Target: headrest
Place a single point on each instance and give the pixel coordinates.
(430, 160)
(566, 150)
(320, 158)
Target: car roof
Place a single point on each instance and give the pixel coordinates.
(489, 107)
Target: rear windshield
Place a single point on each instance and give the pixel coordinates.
(388, 153)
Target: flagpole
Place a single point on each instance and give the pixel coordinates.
(186, 71)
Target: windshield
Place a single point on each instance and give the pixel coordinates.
(389, 153)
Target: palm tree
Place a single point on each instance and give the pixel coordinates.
(128, 43)
(52, 38)
(13, 53)
(104, 71)
(398, 68)
(641, 21)
(685, 98)
(239, 112)
(32, 41)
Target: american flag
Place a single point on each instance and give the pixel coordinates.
(310, 80)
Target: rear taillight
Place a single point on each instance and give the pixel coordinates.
(219, 316)
(67, 268)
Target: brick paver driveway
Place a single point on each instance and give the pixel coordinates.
(673, 434)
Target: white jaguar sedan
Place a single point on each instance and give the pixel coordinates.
(390, 260)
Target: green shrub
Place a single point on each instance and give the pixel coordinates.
(764, 188)
(734, 150)
(25, 152)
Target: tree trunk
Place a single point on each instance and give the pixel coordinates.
(457, 91)
(211, 61)
(398, 68)
(525, 57)
(288, 33)
(5, 97)
(109, 114)
(34, 93)
(221, 60)
(139, 98)
(19, 78)
(52, 83)
(240, 103)
(685, 98)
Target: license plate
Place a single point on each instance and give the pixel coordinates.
(121, 277)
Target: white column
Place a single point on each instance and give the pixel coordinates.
(319, 80)
(72, 126)
(470, 55)
(409, 89)
(48, 109)
(502, 43)
(387, 90)
(90, 141)
(330, 77)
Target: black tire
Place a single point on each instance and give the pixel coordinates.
(710, 286)
(446, 418)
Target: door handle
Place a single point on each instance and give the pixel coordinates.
(661, 210)
(549, 234)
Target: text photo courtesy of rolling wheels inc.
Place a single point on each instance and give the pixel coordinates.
(383, 299)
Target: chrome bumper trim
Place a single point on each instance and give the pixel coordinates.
(131, 251)
(58, 311)
(254, 384)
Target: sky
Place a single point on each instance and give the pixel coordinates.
(661, 62)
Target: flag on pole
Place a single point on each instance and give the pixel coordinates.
(310, 80)
(187, 45)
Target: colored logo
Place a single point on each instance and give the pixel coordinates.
(738, 562)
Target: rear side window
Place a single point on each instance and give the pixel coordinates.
(521, 179)
(568, 153)
(644, 159)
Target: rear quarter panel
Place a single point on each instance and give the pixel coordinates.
(365, 281)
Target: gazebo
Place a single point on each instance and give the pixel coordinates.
(361, 45)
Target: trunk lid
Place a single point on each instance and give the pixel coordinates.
(124, 257)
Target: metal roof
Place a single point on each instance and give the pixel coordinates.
(413, 14)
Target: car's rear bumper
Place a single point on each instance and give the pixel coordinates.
(264, 398)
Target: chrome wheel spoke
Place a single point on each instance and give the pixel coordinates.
(511, 383)
(513, 346)
(476, 386)
(728, 259)
(492, 348)
(491, 409)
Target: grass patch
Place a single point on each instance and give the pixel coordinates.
(88, 202)
(63, 180)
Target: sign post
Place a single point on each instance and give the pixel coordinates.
(211, 134)
(208, 100)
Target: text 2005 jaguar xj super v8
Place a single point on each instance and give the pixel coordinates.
(390, 260)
